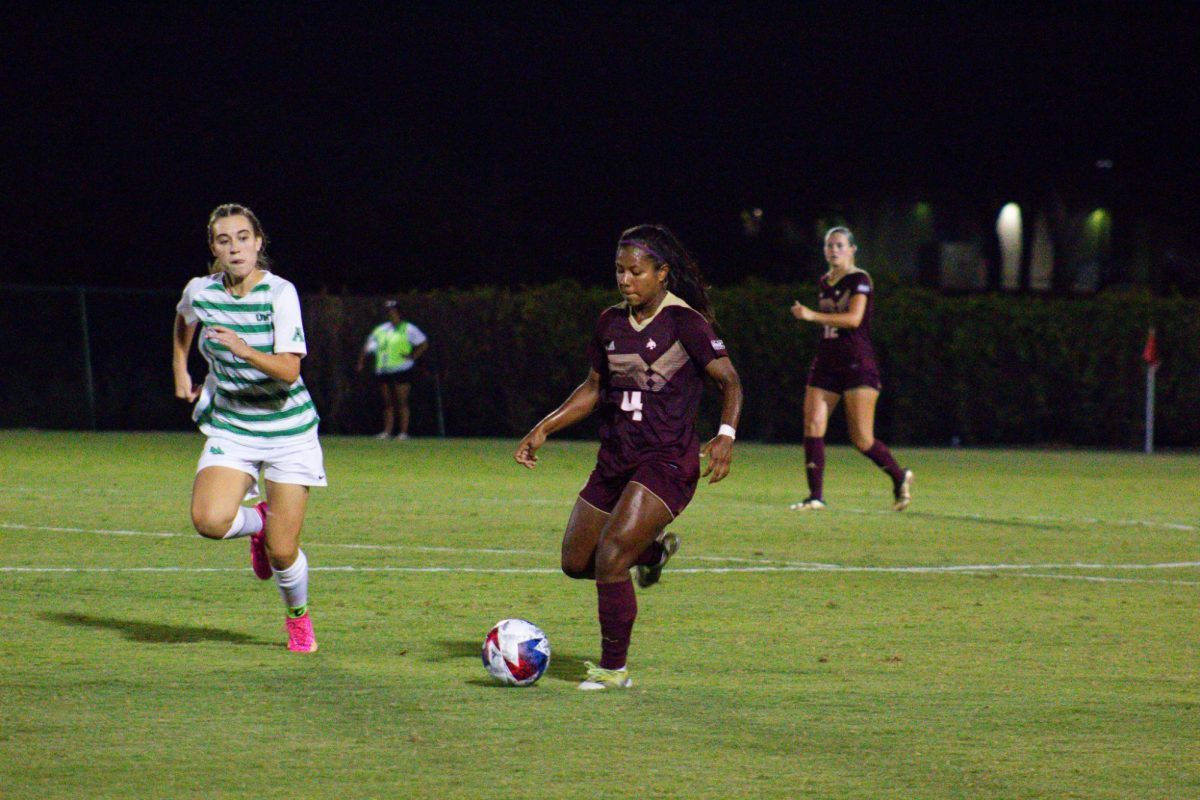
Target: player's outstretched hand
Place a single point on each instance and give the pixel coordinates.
(719, 451)
(526, 450)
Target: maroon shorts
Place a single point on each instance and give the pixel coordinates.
(838, 379)
(673, 484)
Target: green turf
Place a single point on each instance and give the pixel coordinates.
(1072, 673)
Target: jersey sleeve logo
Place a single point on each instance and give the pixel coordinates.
(717, 344)
(298, 336)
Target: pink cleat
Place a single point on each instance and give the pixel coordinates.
(258, 547)
(300, 634)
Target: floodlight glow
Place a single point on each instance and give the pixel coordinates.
(1008, 230)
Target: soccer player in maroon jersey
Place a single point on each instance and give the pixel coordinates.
(845, 366)
(648, 356)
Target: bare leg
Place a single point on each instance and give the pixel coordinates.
(580, 539)
(402, 390)
(860, 418)
(638, 518)
(389, 401)
(217, 495)
(287, 503)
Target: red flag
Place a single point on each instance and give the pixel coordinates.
(1150, 351)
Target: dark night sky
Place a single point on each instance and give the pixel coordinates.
(391, 149)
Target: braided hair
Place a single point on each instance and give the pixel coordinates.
(683, 277)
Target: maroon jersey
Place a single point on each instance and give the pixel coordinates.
(841, 346)
(651, 379)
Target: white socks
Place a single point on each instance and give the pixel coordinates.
(293, 582)
(245, 522)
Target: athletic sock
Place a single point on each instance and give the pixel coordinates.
(651, 556)
(245, 522)
(814, 465)
(293, 582)
(882, 457)
(618, 610)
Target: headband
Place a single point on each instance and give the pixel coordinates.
(641, 244)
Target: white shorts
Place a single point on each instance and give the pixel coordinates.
(301, 464)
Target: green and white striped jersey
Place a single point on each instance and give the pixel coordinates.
(239, 401)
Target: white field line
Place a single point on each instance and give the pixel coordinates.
(760, 565)
(538, 501)
(762, 561)
(544, 571)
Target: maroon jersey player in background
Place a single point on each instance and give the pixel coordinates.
(648, 356)
(845, 366)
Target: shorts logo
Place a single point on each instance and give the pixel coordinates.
(216, 451)
(298, 336)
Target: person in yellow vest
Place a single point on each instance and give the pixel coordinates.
(397, 344)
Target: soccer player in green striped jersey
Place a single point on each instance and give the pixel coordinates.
(254, 408)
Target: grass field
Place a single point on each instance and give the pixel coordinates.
(1028, 629)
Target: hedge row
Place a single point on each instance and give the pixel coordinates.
(980, 370)
(986, 370)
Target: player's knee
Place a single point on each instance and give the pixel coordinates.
(862, 443)
(282, 556)
(579, 569)
(211, 524)
(613, 560)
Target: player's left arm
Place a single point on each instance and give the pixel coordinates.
(719, 449)
(843, 319)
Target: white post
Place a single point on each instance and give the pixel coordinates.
(1150, 371)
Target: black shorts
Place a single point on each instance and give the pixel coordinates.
(394, 378)
(839, 379)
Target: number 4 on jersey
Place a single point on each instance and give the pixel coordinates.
(632, 401)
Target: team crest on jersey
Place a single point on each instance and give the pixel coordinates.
(650, 345)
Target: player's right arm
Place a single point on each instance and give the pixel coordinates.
(582, 401)
(181, 343)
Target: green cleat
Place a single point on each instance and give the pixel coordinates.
(599, 678)
(648, 576)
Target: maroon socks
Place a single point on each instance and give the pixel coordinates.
(651, 556)
(618, 610)
(882, 457)
(814, 465)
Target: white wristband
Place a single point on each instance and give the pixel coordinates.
(727, 430)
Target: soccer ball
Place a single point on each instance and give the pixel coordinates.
(516, 652)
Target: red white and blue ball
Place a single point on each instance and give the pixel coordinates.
(516, 652)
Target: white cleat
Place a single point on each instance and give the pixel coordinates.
(808, 504)
(903, 492)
